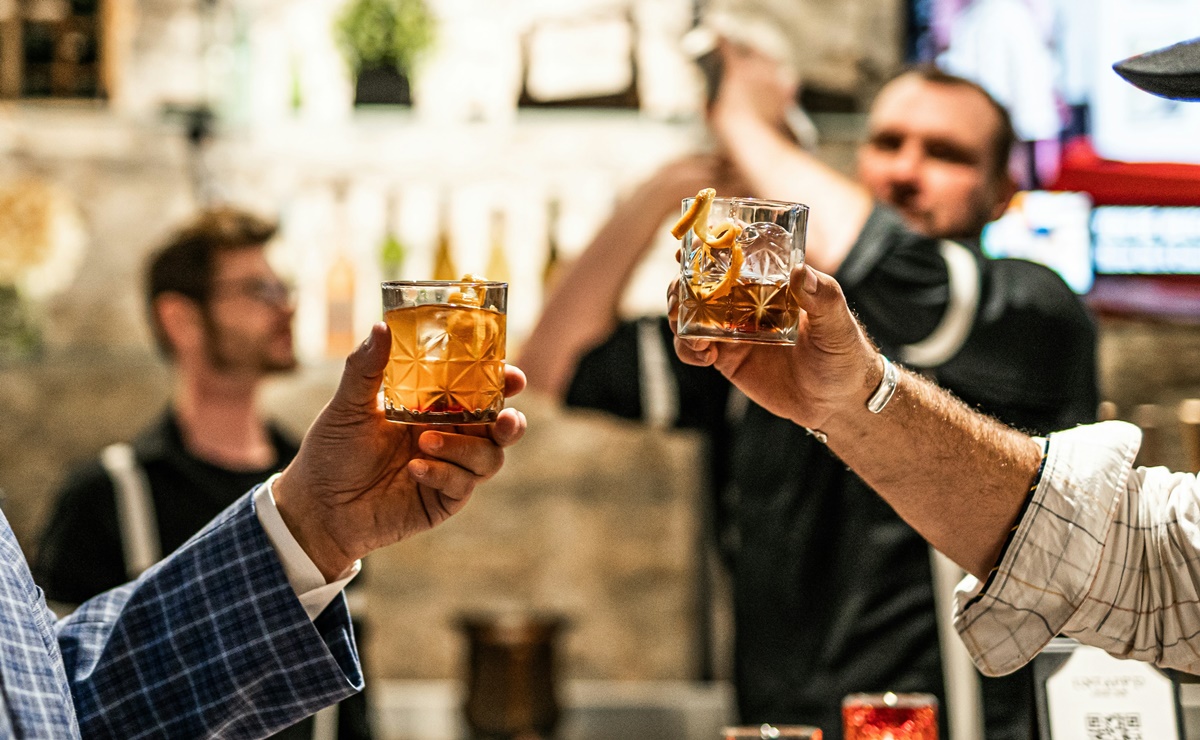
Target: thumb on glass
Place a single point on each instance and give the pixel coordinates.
(363, 373)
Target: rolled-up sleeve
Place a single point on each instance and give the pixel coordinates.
(1062, 556)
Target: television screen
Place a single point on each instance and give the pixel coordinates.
(1050, 63)
(1049, 228)
(1146, 240)
(1128, 234)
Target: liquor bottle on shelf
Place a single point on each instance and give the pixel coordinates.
(550, 269)
(443, 258)
(391, 250)
(497, 268)
(340, 287)
(295, 87)
(339, 294)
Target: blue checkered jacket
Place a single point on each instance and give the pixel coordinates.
(211, 642)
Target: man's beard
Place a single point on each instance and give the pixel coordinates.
(226, 357)
(924, 221)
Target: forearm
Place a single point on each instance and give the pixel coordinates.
(778, 169)
(957, 477)
(1098, 556)
(582, 310)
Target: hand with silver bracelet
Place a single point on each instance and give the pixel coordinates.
(958, 477)
(832, 367)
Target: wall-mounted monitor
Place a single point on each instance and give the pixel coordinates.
(1050, 62)
(1146, 240)
(1050, 228)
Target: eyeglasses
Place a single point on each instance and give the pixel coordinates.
(273, 293)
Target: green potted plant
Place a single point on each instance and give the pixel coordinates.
(381, 40)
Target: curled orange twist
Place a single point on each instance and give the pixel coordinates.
(723, 237)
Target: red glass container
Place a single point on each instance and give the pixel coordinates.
(890, 717)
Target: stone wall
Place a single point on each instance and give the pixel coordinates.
(1156, 364)
(96, 379)
(590, 519)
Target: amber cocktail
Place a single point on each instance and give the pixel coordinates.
(447, 361)
(735, 265)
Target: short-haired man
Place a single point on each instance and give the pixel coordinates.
(833, 593)
(223, 318)
(1063, 534)
(937, 151)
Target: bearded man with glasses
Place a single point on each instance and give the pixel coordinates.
(222, 317)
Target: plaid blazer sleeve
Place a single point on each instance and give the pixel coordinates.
(210, 642)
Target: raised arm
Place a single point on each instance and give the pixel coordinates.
(361, 482)
(582, 310)
(746, 117)
(213, 641)
(958, 477)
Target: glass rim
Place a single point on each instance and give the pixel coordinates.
(758, 728)
(903, 700)
(439, 283)
(760, 202)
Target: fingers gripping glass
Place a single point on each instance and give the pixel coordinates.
(735, 266)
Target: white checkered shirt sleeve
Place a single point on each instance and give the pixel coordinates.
(1086, 559)
(1051, 561)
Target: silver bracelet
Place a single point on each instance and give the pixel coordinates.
(887, 387)
(878, 400)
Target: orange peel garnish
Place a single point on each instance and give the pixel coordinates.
(723, 237)
(457, 298)
(721, 288)
(726, 236)
(696, 217)
(472, 327)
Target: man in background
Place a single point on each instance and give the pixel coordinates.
(1061, 535)
(223, 318)
(833, 593)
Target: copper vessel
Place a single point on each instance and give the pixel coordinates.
(511, 689)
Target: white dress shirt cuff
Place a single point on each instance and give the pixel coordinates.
(1053, 558)
(304, 576)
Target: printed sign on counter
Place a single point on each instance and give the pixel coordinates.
(1095, 696)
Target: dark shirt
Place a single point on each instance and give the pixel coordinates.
(80, 553)
(832, 591)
